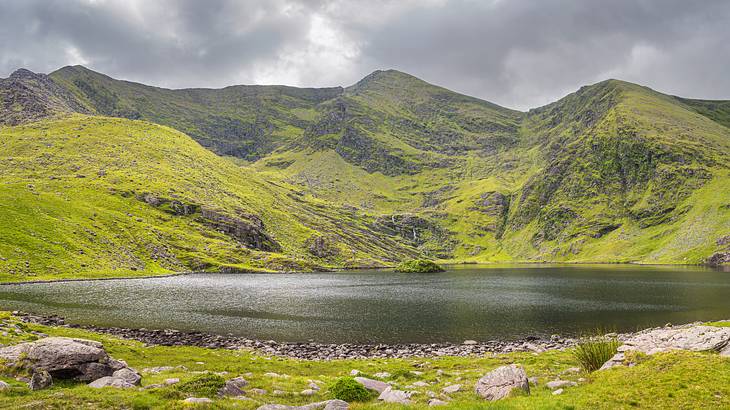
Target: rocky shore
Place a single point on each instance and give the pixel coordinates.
(312, 350)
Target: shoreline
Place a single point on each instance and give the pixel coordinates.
(335, 270)
(313, 350)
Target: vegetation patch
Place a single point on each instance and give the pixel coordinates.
(418, 266)
(349, 390)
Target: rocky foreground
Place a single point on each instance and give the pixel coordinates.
(316, 351)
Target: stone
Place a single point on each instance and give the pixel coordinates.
(533, 380)
(337, 405)
(233, 387)
(374, 385)
(313, 386)
(572, 370)
(436, 402)
(54, 354)
(308, 392)
(420, 384)
(694, 338)
(128, 374)
(93, 370)
(451, 389)
(382, 375)
(354, 372)
(395, 396)
(469, 342)
(4, 386)
(171, 380)
(40, 379)
(500, 382)
(557, 392)
(197, 400)
(558, 384)
(111, 381)
(257, 392)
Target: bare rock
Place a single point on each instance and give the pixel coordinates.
(500, 382)
(111, 381)
(436, 402)
(198, 400)
(374, 385)
(696, 338)
(233, 387)
(451, 389)
(131, 376)
(395, 396)
(559, 384)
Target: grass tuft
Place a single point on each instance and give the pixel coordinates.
(593, 351)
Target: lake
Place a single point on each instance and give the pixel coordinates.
(466, 302)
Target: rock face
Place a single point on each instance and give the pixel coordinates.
(67, 358)
(696, 338)
(500, 382)
(246, 228)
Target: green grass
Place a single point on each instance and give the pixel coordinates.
(593, 351)
(670, 380)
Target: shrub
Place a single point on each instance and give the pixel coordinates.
(349, 390)
(418, 266)
(592, 352)
(205, 385)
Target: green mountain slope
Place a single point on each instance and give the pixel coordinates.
(97, 196)
(388, 168)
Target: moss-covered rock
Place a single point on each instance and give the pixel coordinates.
(418, 266)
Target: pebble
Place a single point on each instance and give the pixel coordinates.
(557, 392)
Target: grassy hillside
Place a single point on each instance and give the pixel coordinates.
(92, 196)
(391, 167)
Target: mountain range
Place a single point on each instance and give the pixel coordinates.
(103, 177)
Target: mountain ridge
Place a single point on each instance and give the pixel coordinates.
(614, 172)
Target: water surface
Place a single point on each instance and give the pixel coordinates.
(467, 302)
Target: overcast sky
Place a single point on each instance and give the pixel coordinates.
(517, 53)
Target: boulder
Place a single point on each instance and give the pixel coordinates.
(374, 385)
(696, 338)
(451, 389)
(111, 381)
(322, 405)
(197, 400)
(63, 358)
(500, 382)
(40, 379)
(557, 392)
(131, 376)
(395, 396)
(93, 370)
(436, 402)
(4, 386)
(558, 384)
(233, 387)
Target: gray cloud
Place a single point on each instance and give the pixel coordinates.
(517, 53)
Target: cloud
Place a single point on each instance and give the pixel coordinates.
(517, 53)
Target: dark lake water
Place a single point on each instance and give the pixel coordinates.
(467, 302)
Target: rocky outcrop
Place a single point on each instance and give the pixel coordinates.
(246, 228)
(374, 385)
(321, 247)
(500, 382)
(696, 338)
(68, 358)
(391, 395)
(26, 96)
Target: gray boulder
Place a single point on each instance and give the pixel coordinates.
(111, 381)
(374, 385)
(131, 376)
(93, 370)
(395, 396)
(198, 400)
(233, 387)
(557, 384)
(500, 382)
(54, 353)
(4, 386)
(322, 405)
(40, 379)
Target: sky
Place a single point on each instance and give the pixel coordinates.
(517, 53)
